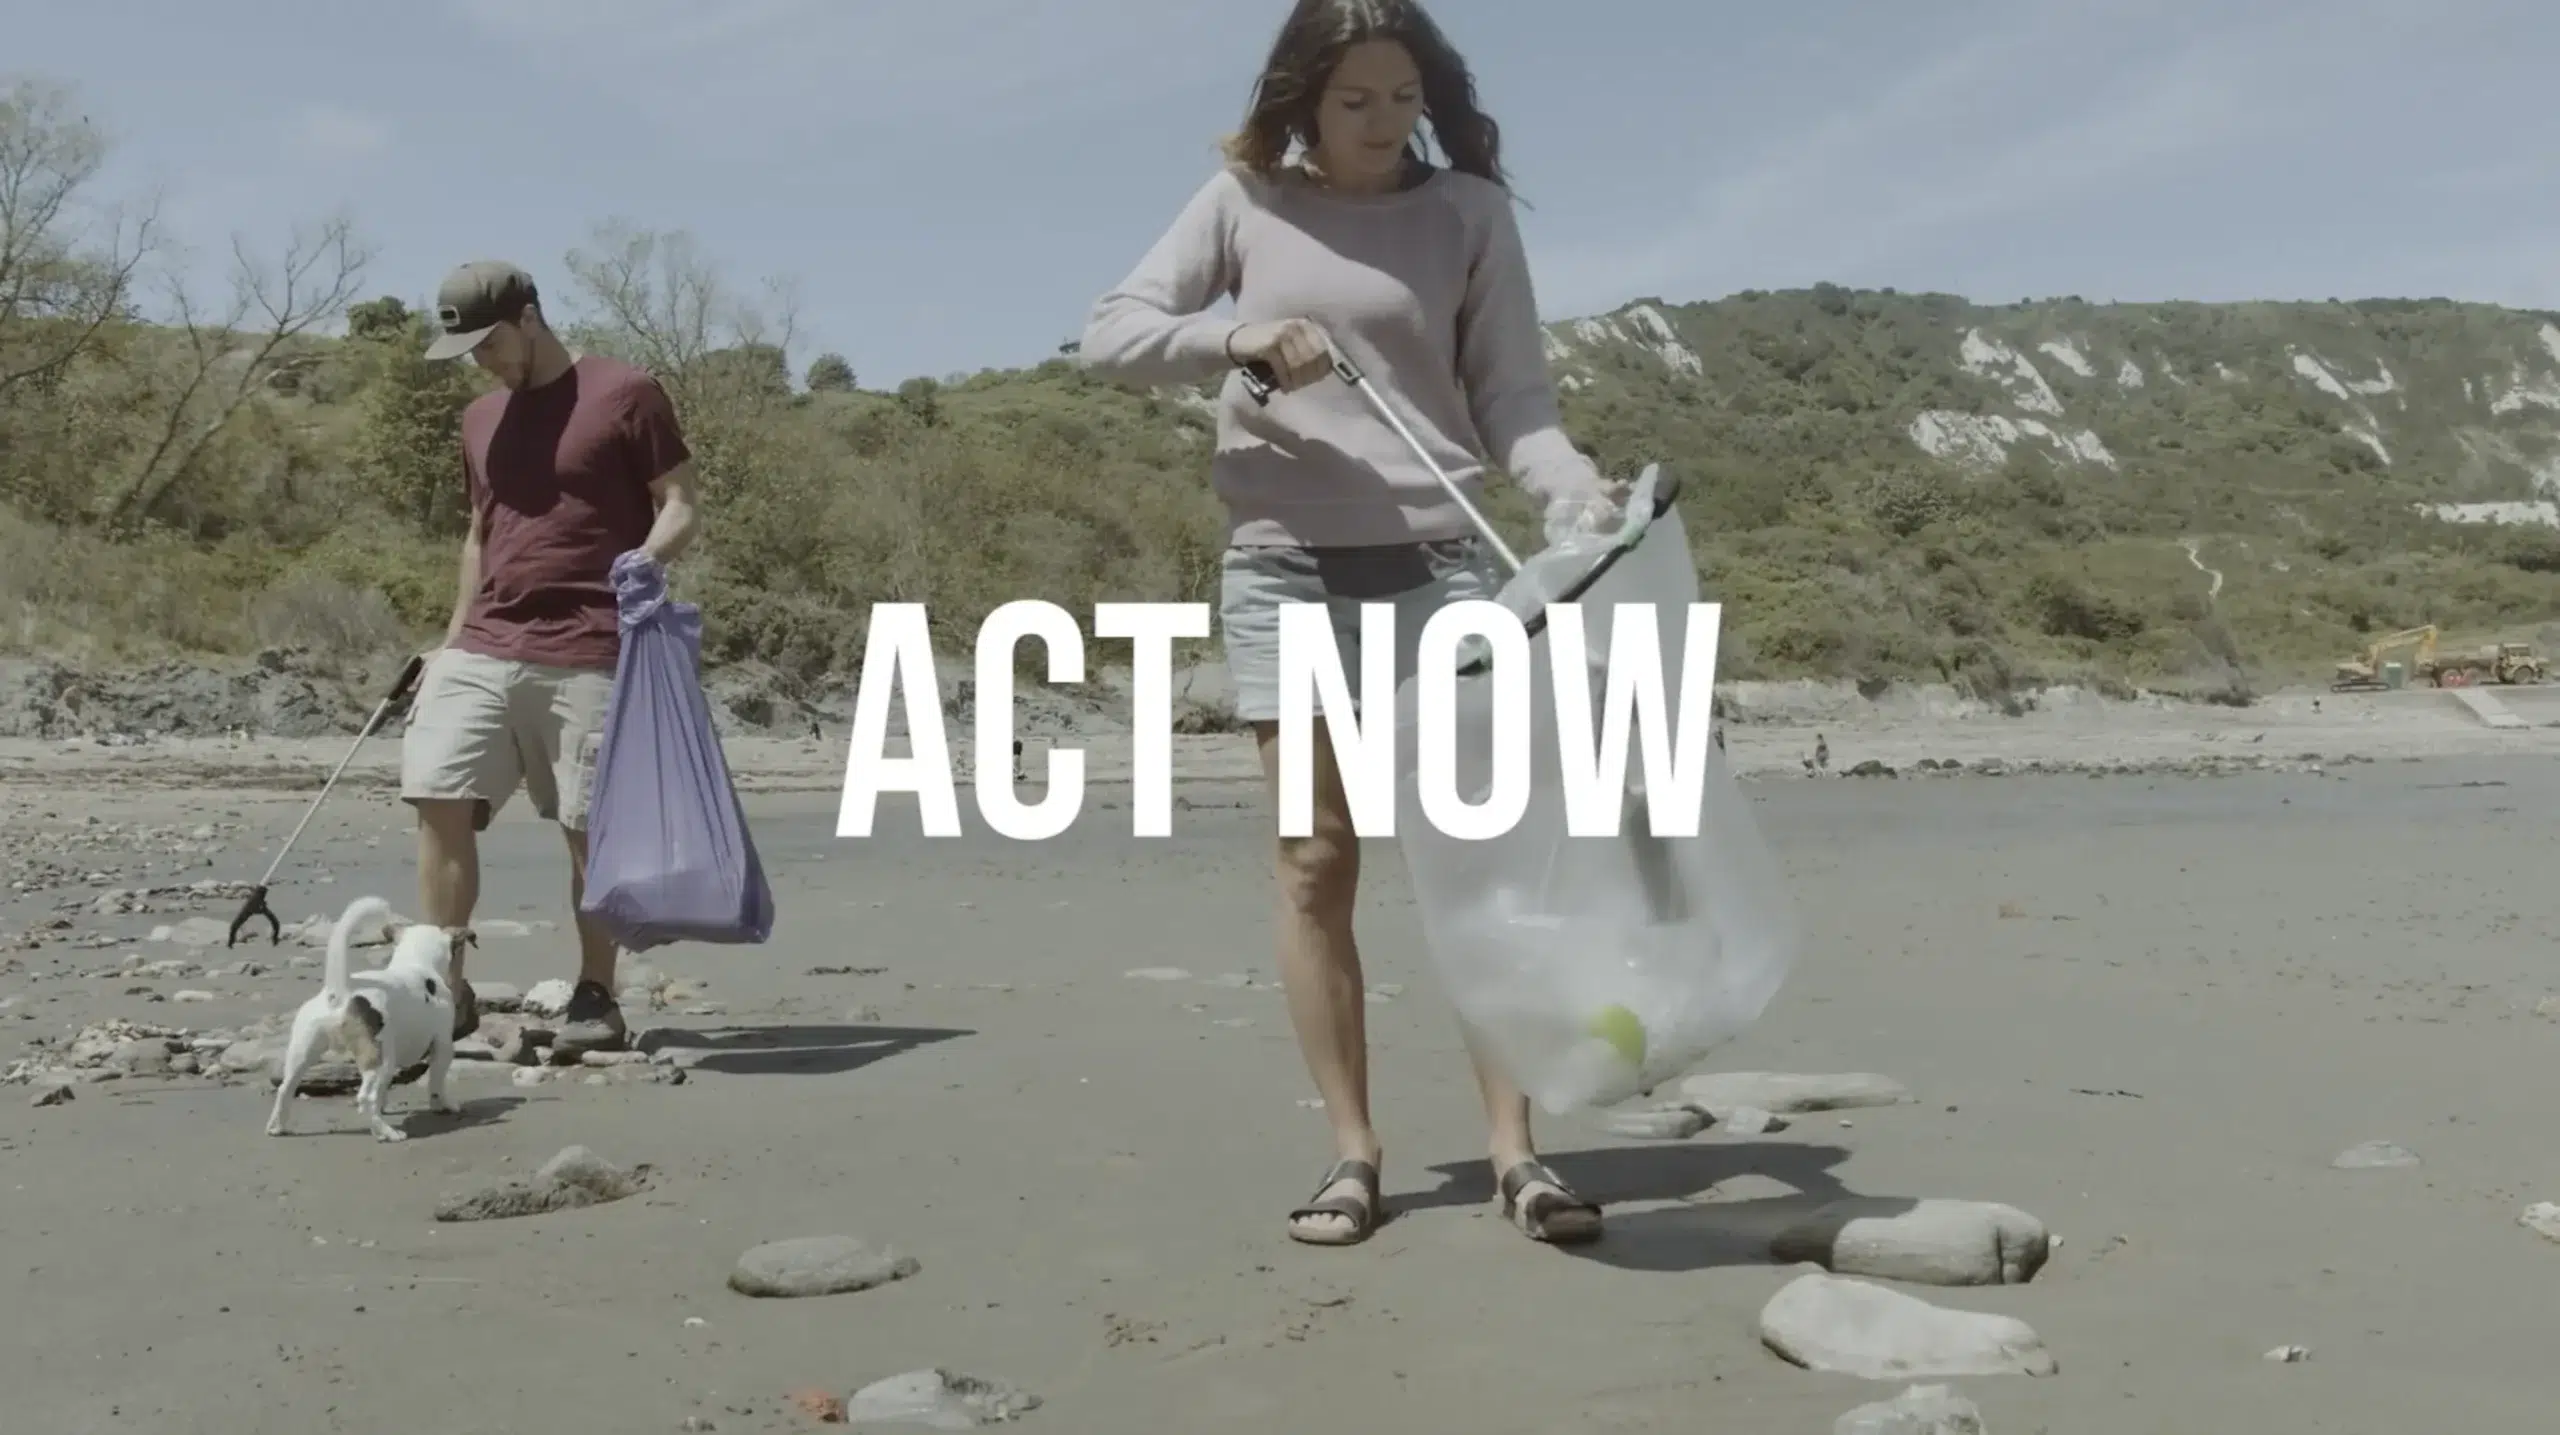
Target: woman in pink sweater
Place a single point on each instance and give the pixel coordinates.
(1416, 273)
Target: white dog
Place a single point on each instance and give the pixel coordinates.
(388, 1018)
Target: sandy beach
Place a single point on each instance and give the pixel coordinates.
(2148, 997)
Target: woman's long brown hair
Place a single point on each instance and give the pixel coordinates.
(1311, 43)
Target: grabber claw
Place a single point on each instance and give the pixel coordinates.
(255, 905)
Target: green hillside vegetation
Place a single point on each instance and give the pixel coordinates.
(278, 468)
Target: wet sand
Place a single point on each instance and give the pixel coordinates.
(2149, 1010)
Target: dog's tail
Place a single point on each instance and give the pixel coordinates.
(360, 912)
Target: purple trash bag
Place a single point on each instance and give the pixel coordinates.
(669, 858)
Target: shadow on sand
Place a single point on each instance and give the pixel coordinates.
(795, 1050)
(1689, 1233)
(409, 1113)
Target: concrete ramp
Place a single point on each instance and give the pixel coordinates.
(2486, 708)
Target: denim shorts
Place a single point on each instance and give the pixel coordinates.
(1418, 578)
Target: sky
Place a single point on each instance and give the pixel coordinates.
(946, 185)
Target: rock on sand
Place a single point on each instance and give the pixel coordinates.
(1937, 1243)
(1784, 1093)
(1848, 1327)
(2542, 1218)
(2374, 1156)
(576, 1177)
(1919, 1410)
(817, 1265)
(548, 998)
(1660, 1123)
(1682, 1120)
(938, 1400)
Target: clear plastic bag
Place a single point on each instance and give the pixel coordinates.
(1594, 969)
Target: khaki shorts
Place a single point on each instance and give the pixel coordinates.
(481, 727)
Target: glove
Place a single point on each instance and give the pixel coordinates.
(1579, 516)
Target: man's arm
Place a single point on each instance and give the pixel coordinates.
(467, 581)
(659, 451)
(678, 519)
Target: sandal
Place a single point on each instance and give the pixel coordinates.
(1361, 1211)
(1559, 1215)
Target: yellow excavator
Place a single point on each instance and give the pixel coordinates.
(2364, 671)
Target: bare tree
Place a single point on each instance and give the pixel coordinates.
(657, 300)
(226, 360)
(64, 273)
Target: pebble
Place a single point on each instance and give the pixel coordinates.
(817, 1265)
(1661, 1123)
(1918, 1410)
(322, 1078)
(141, 1057)
(192, 996)
(939, 1400)
(255, 1053)
(1849, 1327)
(576, 1177)
(57, 1094)
(824, 1406)
(1750, 1121)
(2374, 1156)
(2543, 1219)
(193, 932)
(2289, 1355)
(1791, 1094)
(1929, 1242)
(548, 998)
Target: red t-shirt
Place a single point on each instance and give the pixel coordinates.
(560, 477)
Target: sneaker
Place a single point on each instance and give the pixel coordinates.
(593, 1022)
(466, 1010)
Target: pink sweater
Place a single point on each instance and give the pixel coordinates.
(1426, 290)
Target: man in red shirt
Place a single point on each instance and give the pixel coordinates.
(571, 462)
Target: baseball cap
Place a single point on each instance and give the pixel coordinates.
(474, 299)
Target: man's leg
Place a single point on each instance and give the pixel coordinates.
(449, 885)
(458, 765)
(596, 951)
(571, 721)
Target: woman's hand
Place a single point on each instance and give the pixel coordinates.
(1293, 350)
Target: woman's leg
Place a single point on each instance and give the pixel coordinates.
(1506, 1111)
(1318, 880)
(1460, 571)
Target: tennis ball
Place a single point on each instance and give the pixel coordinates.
(1618, 1026)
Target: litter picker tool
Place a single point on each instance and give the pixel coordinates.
(1261, 383)
(255, 904)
